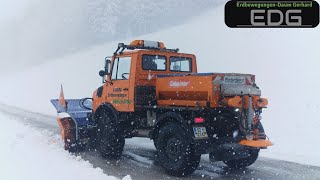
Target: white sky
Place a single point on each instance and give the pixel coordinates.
(11, 8)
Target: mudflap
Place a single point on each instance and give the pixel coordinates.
(76, 125)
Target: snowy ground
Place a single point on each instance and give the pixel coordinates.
(33, 154)
(286, 63)
(139, 158)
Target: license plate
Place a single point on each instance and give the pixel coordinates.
(200, 132)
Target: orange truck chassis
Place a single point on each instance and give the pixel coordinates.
(154, 92)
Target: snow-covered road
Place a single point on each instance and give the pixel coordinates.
(138, 159)
(32, 153)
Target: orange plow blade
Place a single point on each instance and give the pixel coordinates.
(256, 143)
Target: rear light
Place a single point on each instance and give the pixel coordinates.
(199, 120)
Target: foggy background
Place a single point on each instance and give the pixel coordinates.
(34, 31)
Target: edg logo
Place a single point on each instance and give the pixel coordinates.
(272, 14)
(292, 17)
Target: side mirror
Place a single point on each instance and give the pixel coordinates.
(102, 73)
(106, 71)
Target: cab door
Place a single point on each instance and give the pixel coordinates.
(118, 88)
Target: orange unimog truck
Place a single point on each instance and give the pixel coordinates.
(154, 92)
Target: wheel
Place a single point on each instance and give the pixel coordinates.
(227, 124)
(175, 153)
(253, 155)
(110, 140)
(242, 163)
(212, 158)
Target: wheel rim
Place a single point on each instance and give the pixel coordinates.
(173, 148)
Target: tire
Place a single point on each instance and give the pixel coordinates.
(253, 155)
(175, 152)
(110, 140)
(227, 125)
(245, 162)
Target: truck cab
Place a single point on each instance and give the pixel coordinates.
(130, 77)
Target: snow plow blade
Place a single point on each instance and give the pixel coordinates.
(256, 143)
(81, 115)
(75, 120)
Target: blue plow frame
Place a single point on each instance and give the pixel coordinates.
(81, 116)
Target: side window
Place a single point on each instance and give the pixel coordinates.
(154, 62)
(121, 68)
(180, 64)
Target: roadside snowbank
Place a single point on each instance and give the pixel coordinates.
(30, 154)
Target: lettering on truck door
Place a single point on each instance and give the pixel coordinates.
(118, 91)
